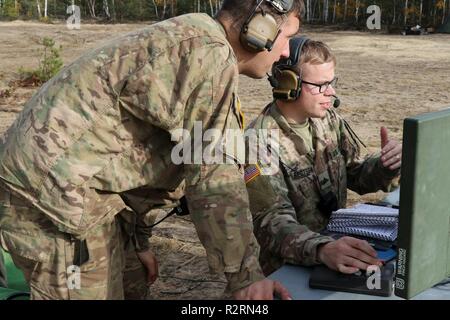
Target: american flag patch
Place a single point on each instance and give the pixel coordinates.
(251, 172)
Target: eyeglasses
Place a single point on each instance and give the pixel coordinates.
(321, 88)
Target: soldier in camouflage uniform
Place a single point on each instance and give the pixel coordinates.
(319, 158)
(90, 154)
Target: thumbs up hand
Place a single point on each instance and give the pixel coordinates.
(391, 151)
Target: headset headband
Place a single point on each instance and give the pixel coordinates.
(261, 29)
(281, 6)
(295, 48)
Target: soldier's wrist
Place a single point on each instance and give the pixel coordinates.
(388, 173)
(319, 250)
(319, 255)
(142, 242)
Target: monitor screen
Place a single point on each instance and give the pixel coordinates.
(423, 258)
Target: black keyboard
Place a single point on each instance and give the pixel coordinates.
(377, 284)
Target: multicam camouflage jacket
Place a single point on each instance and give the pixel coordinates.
(288, 206)
(97, 138)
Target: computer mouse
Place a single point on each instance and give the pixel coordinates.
(386, 255)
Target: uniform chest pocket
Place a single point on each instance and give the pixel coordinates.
(336, 167)
(303, 182)
(305, 195)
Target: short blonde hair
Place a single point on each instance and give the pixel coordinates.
(314, 52)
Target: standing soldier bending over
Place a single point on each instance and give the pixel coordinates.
(91, 153)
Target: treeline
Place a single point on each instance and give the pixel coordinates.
(114, 10)
(393, 12)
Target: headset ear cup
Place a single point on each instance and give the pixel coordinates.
(260, 32)
(288, 85)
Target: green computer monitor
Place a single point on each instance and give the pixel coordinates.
(423, 258)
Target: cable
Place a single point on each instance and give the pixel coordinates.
(352, 133)
(181, 210)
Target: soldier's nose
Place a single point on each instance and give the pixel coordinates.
(285, 53)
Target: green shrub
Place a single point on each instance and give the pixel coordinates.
(46, 20)
(49, 64)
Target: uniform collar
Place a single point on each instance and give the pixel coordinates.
(284, 125)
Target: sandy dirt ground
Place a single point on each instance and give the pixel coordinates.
(383, 79)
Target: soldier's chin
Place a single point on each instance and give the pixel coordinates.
(255, 74)
(323, 114)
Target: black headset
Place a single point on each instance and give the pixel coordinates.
(286, 83)
(260, 29)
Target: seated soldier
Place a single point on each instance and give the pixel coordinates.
(319, 158)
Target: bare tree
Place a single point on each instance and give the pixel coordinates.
(113, 7)
(406, 11)
(357, 10)
(217, 6)
(211, 7)
(308, 10)
(39, 9)
(443, 11)
(345, 9)
(395, 8)
(45, 8)
(313, 8)
(156, 9)
(91, 7)
(163, 16)
(325, 11)
(172, 8)
(434, 14)
(106, 9)
(421, 11)
(334, 12)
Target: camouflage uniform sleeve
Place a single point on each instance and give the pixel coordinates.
(364, 175)
(276, 226)
(187, 94)
(147, 204)
(218, 204)
(217, 197)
